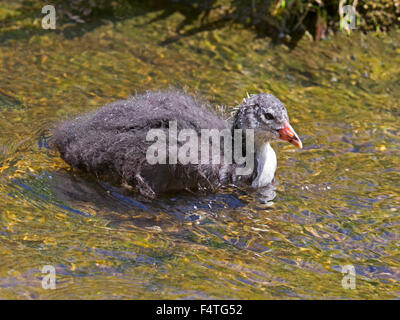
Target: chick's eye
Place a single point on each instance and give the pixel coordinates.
(268, 116)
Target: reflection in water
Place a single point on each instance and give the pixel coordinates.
(267, 194)
(70, 188)
(335, 203)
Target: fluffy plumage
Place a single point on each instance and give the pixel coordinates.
(111, 142)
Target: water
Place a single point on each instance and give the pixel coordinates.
(337, 201)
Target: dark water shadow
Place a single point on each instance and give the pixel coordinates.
(180, 216)
(72, 22)
(118, 203)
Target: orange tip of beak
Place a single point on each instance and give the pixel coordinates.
(288, 134)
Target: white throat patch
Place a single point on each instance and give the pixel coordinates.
(266, 166)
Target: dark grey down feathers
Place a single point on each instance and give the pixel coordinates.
(111, 142)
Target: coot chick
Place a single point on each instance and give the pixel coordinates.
(113, 142)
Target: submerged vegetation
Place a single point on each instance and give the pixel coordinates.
(283, 20)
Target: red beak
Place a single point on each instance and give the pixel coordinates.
(288, 134)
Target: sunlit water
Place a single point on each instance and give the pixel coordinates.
(337, 201)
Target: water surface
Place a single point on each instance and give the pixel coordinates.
(337, 200)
